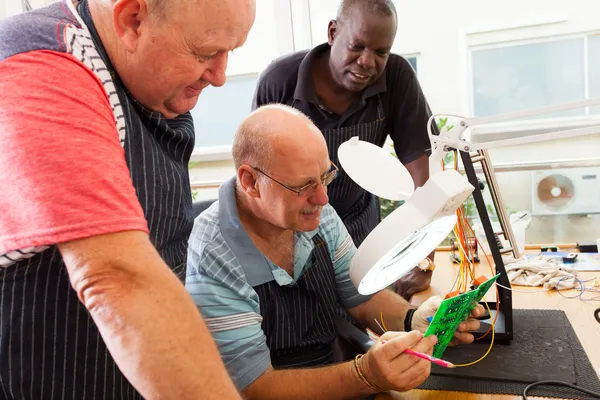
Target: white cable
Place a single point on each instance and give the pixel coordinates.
(523, 291)
(379, 325)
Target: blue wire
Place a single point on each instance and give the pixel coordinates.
(582, 289)
(581, 286)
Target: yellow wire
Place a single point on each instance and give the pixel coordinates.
(460, 274)
(383, 323)
(489, 348)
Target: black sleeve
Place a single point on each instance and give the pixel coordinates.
(408, 112)
(268, 89)
(260, 93)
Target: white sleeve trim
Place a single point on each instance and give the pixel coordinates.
(343, 249)
(13, 257)
(235, 321)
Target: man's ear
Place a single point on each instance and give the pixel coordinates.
(129, 17)
(332, 30)
(248, 179)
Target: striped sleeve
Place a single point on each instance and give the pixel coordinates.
(230, 308)
(235, 327)
(342, 250)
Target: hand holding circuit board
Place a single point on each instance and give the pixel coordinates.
(452, 312)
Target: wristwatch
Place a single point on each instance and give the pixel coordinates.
(426, 265)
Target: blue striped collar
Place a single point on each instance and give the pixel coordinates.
(257, 268)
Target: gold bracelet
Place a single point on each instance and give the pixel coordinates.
(362, 376)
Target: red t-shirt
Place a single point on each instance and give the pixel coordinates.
(63, 174)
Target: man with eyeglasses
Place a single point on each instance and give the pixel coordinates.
(269, 263)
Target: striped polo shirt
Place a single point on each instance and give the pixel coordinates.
(224, 266)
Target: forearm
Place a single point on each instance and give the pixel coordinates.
(340, 381)
(393, 307)
(150, 325)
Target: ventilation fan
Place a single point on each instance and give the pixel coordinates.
(567, 191)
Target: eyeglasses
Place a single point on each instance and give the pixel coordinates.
(308, 189)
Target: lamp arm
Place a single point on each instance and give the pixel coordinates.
(453, 138)
(532, 112)
(590, 130)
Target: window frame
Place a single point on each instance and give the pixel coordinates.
(219, 152)
(508, 129)
(416, 56)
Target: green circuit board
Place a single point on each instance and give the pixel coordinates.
(452, 312)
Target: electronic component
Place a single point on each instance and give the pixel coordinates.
(570, 258)
(553, 249)
(452, 312)
(452, 294)
(587, 247)
(478, 282)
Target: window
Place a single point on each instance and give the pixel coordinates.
(594, 69)
(219, 111)
(512, 78)
(412, 60)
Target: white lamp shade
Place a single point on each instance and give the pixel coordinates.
(375, 170)
(413, 230)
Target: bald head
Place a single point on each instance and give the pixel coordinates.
(165, 8)
(273, 132)
(384, 8)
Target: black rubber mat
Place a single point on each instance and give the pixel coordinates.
(545, 347)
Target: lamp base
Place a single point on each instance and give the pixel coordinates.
(501, 333)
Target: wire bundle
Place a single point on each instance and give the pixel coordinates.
(466, 275)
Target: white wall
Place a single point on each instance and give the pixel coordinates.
(267, 40)
(10, 7)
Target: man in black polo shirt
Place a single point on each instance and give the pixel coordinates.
(353, 86)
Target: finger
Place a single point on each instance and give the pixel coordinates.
(397, 342)
(463, 338)
(415, 374)
(472, 325)
(389, 335)
(469, 325)
(478, 311)
(426, 345)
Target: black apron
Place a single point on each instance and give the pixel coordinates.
(298, 318)
(358, 208)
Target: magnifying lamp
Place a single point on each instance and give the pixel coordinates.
(415, 229)
(410, 232)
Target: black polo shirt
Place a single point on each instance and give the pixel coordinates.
(288, 80)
